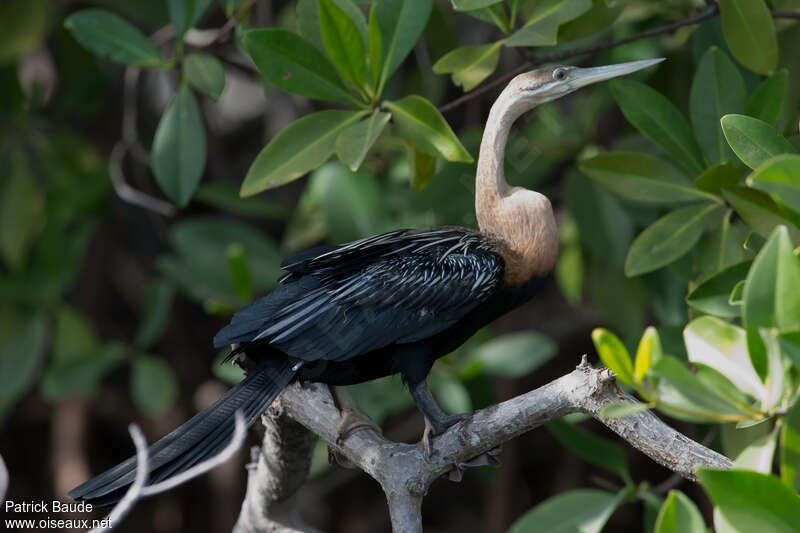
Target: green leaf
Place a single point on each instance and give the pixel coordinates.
(771, 295)
(356, 140)
(751, 501)
(750, 34)
(569, 269)
(722, 346)
(375, 49)
(614, 355)
(294, 65)
(469, 5)
(302, 146)
(767, 100)
(469, 65)
(712, 295)
(155, 313)
(450, 392)
(184, 14)
(21, 212)
(153, 385)
(641, 177)
(225, 196)
(668, 239)
(239, 271)
(591, 448)
(420, 123)
(648, 352)
(514, 354)
(715, 178)
(717, 90)
(758, 210)
(109, 35)
(754, 242)
(754, 141)
(660, 121)
(679, 515)
(780, 178)
(179, 147)
(204, 72)
(308, 20)
(758, 455)
(790, 344)
(343, 41)
(20, 359)
(790, 448)
(421, 167)
(78, 360)
(622, 409)
(575, 511)
(401, 23)
(541, 27)
(23, 25)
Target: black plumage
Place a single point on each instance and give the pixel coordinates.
(345, 314)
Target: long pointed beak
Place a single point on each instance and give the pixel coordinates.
(581, 77)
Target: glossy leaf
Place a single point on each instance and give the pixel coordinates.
(308, 20)
(790, 449)
(421, 124)
(375, 50)
(179, 147)
(302, 146)
(648, 352)
(622, 409)
(21, 212)
(717, 90)
(343, 41)
(20, 359)
(790, 344)
(468, 5)
(582, 510)
(613, 354)
(401, 23)
(641, 177)
(469, 65)
(184, 14)
(758, 210)
(153, 385)
(775, 381)
(751, 501)
(356, 140)
(722, 346)
(421, 167)
(767, 100)
(780, 178)
(294, 65)
(204, 72)
(668, 239)
(719, 176)
(155, 313)
(660, 121)
(109, 35)
(750, 34)
(514, 354)
(713, 294)
(679, 515)
(771, 298)
(754, 141)
(541, 26)
(591, 448)
(758, 455)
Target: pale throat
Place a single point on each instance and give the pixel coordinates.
(520, 219)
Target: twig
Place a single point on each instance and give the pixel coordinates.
(233, 446)
(133, 493)
(405, 473)
(3, 479)
(540, 58)
(128, 193)
(675, 479)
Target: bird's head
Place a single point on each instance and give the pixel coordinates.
(545, 84)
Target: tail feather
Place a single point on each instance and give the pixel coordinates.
(201, 437)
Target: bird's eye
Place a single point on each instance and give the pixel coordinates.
(560, 74)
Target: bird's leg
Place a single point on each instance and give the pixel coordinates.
(352, 420)
(436, 420)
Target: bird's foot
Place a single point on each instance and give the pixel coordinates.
(490, 458)
(353, 421)
(437, 426)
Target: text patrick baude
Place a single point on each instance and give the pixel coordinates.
(54, 506)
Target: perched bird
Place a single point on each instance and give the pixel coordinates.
(388, 304)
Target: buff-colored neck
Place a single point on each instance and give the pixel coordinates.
(520, 219)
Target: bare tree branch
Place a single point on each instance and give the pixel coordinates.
(405, 472)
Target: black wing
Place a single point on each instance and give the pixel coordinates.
(398, 287)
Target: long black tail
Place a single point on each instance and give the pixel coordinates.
(197, 439)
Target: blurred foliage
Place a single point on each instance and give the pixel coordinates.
(679, 224)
